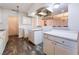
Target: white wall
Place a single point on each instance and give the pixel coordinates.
(25, 22)
(73, 18)
(4, 14)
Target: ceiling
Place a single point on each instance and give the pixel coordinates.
(63, 7)
(23, 7)
(32, 7)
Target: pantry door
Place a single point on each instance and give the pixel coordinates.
(13, 25)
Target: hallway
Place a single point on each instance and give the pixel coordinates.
(16, 46)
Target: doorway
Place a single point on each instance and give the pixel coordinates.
(13, 25)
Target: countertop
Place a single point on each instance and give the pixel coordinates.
(73, 35)
(35, 29)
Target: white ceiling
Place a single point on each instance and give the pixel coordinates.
(23, 7)
(30, 7)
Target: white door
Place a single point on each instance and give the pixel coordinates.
(48, 47)
(13, 25)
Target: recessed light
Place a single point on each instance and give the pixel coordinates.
(56, 5)
(53, 6)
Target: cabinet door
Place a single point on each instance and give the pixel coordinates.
(31, 36)
(1, 46)
(48, 47)
(61, 49)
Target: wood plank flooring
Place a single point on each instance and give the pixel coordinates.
(16, 46)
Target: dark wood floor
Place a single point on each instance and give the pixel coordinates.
(16, 46)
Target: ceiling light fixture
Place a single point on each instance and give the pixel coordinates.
(50, 9)
(42, 13)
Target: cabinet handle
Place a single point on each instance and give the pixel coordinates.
(55, 43)
(62, 41)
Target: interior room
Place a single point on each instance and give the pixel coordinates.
(39, 28)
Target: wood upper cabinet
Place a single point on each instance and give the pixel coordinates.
(59, 20)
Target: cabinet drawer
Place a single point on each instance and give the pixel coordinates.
(61, 49)
(63, 41)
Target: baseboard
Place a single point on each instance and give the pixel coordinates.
(13, 35)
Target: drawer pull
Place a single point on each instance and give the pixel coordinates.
(62, 41)
(55, 43)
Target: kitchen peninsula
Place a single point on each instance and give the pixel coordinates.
(60, 42)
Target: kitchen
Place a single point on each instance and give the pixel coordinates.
(50, 29)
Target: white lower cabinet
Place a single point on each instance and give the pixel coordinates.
(62, 47)
(20, 33)
(48, 47)
(3, 41)
(31, 36)
(35, 36)
(1, 46)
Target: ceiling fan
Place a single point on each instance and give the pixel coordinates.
(17, 9)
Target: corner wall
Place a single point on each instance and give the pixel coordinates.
(73, 18)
